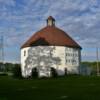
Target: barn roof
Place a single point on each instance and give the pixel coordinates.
(51, 35)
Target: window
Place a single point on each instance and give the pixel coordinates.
(24, 53)
(76, 55)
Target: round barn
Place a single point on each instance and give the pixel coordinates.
(49, 51)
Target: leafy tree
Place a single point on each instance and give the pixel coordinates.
(17, 71)
(92, 65)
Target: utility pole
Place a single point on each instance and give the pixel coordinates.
(97, 62)
(2, 67)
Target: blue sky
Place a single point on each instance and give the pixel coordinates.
(19, 19)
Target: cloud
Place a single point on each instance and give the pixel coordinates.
(7, 2)
(19, 19)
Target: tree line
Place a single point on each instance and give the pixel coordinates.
(15, 69)
(92, 65)
(8, 67)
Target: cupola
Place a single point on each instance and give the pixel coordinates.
(50, 21)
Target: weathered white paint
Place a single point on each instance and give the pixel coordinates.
(23, 59)
(64, 53)
(73, 60)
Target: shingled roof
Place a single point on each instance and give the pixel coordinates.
(52, 36)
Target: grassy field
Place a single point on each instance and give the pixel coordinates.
(63, 88)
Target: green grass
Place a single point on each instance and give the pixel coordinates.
(63, 88)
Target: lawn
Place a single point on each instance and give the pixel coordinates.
(62, 88)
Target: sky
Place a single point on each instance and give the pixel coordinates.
(20, 19)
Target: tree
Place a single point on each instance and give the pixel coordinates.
(17, 71)
(41, 57)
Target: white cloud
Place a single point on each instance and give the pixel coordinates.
(7, 2)
(79, 18)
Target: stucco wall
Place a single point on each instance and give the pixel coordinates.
(60, 52)
(72, 59)
(64, 53)
(23, 59)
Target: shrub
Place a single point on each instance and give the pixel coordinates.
(17, 71)
(3, 74)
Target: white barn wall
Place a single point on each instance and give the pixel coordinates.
(23, 59)
(60, 51)
(72, 54)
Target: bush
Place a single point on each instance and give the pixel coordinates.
(17, 71)
(53, 72)
(3, 74)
